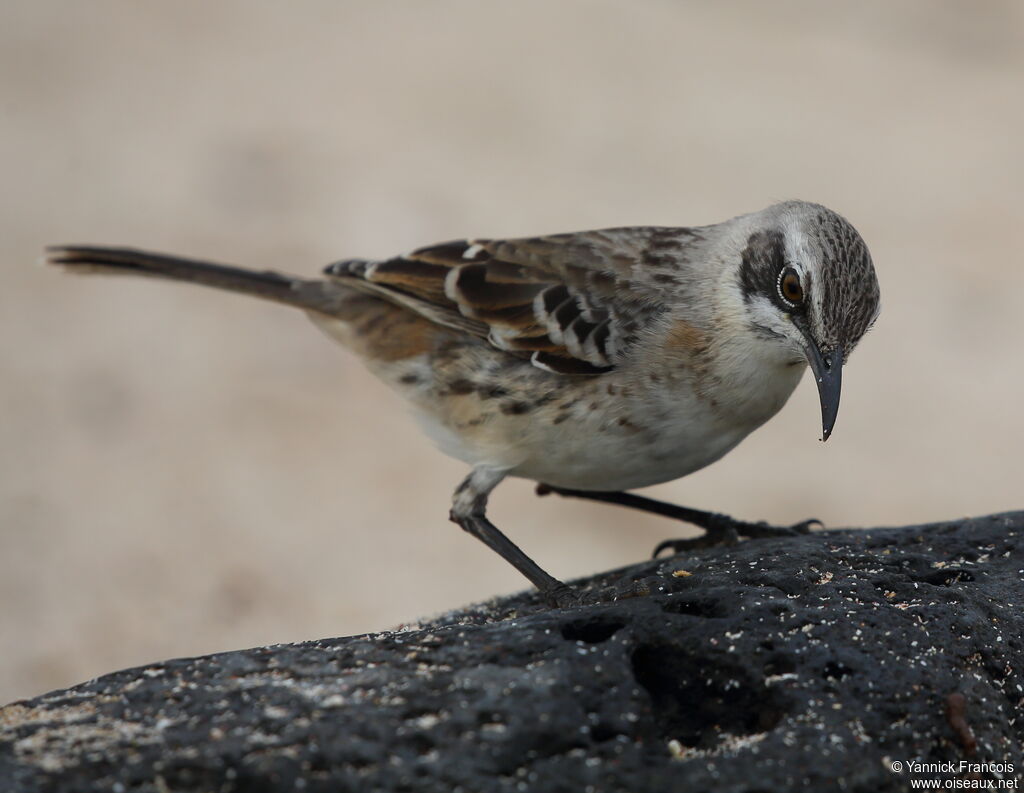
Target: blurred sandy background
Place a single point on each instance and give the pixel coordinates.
(183, 471)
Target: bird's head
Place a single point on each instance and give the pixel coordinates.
(808, 283)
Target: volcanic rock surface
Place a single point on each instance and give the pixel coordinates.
(812, 663)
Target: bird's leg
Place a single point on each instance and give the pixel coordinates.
(719, 529)
(469, 505)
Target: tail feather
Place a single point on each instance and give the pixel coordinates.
(308, 294)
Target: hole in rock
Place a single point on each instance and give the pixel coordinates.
(836, 670)
(591, 631)
(697, 699)
(947, 576)
(694, 607)
(779, 665)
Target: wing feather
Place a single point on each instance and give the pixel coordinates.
(573, 303)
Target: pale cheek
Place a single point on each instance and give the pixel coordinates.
(786, 354)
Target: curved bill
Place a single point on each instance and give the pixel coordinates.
(828, 374)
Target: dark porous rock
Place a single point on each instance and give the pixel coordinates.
(812, 663)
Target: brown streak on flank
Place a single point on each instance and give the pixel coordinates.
(626, 424)
(684, 336)
(393, 334)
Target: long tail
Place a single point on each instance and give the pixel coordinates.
(309, 294)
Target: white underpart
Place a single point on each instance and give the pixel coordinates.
(683, 434)
(680, 432)
(491, 450)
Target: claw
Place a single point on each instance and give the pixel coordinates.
(563, 597)
(566, 597)
(720, 536)
(726, 531)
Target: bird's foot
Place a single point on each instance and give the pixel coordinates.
(723, 530)
(566, 597)
(719, 529)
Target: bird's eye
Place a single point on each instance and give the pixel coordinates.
(790, 290)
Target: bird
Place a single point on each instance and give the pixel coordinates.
(592, 363)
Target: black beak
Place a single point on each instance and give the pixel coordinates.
(828, 374)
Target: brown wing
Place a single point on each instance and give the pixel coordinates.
(573, 303)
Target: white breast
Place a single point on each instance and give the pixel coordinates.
(621, 445)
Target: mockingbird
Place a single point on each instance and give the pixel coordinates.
(592, 362)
